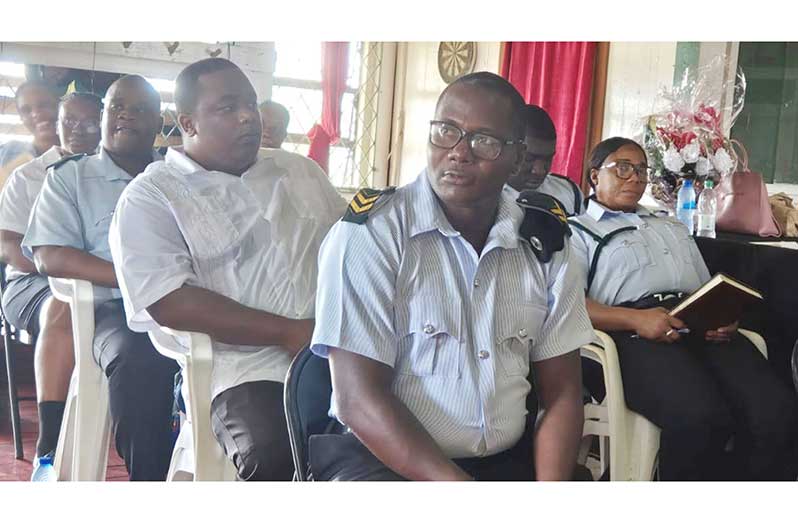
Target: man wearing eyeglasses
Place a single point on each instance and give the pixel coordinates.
(533, 173)
(430, 308)
(27, 301)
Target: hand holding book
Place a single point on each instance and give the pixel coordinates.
(714, 309)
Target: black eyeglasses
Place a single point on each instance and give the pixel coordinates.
(624, 170)
(484, 146)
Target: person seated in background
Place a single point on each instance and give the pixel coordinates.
(28, 303)
(37, 107)
(222, 238)
(700, 389)
(432, 311)
(533, 173)
(67, 237)
(274, 121)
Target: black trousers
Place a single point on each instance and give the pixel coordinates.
(23, 299)
(342, 457)
(249, 423)
(701, 394)
(140, 383)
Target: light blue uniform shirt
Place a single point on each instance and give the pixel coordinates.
(658, 256)
(75, 207)
(566, 191)
(459, 329)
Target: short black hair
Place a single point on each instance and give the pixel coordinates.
(606, 148)
(89, 98)
(497, 84)
(280, 107)
(539, 124)
(152, 92)
(29, 84)
(187, 80)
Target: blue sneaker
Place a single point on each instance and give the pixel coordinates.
(43, 469)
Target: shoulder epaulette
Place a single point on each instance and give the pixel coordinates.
(66, 159)
(601, 242)
(362, 203)
(575, 188)
(545, 224)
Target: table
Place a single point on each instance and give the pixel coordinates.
(773, 270)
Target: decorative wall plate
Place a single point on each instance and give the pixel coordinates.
(456, 59)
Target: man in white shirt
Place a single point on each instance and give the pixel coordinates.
(222, 239)
(28, 303)
(533, 173)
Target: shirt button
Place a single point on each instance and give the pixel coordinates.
(483, 354)
(666, 251)
(476, 282)
(429, 328)
(522, 333)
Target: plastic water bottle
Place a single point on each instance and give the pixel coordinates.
(707, 211)
(685, 205)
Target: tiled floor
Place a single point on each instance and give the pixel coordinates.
(12, 469)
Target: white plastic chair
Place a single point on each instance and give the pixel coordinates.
(197, 455)
(82, 451)
(633, 440)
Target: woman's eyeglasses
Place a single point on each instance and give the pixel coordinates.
(624, 170)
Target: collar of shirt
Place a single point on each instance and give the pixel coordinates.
(597, 211)
(111, 171)
(178, 159)
(427, 215)
(50, 156)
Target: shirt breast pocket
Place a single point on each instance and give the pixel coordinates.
(516, 333)
(627, 255)
(207, 226)
(429, 331)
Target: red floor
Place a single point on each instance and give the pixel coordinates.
(19, 470)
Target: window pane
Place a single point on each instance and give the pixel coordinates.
(304, 106)
(298, 59)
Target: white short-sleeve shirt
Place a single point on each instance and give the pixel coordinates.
(19, 194)
(459, 329)
(253, 238)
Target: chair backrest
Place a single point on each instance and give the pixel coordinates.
(308, 388)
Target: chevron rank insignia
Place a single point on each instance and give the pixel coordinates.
(557, 210)
(362, 203)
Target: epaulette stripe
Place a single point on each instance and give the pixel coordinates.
(363, 201)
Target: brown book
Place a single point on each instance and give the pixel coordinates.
(719, 302)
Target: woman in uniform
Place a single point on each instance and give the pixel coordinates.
(701, 389)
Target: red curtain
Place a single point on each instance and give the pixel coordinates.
(334, 65)
(557, 76)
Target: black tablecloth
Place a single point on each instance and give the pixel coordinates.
(774, 272)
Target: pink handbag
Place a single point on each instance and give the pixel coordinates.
(743, 205)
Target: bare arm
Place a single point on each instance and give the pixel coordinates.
(200, 310)
(384, 424)
(11, 252)
(651, 324)
(68, 262)
(559, 431)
